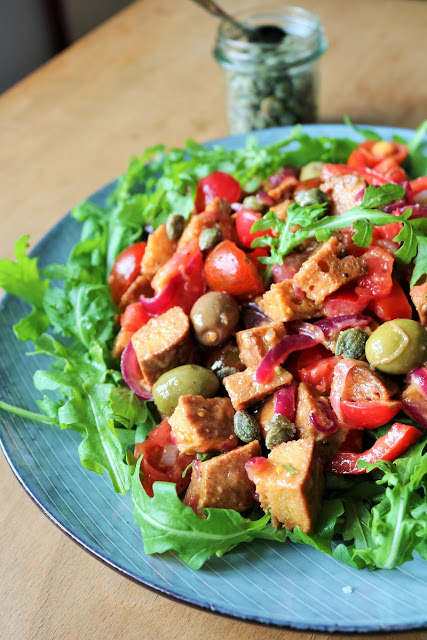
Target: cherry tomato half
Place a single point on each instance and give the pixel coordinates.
(320, 374)
(126, 269)
(228, 268)
(162, 460)
(216, 185)
(378, 282)
(245, 219)
(134, 317)
(393, 306)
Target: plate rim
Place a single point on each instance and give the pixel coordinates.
(342, 131)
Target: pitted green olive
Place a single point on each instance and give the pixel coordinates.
(311, 170)
(190, 379)
(214, 316)
(311, 196)
(397, 346)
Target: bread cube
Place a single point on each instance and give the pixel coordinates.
(202, 425)
(419, 298)
(254, 343)
(245, 391)
(222, 482)
(162, 344)
(290, 484)
(283, 301)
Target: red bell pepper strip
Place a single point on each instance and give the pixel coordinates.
(389, 447)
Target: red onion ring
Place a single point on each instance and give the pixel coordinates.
(418, 377)
(278, 354)
(306, 329)
(253, 316)
(328, 428)
(341, 371)
(131, 373)
(284, 401)
(339, 323)
(265, 199)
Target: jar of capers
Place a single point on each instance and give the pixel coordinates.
(271, 71)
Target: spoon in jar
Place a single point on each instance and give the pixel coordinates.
(266, 34)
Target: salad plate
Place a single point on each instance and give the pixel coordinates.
(287, 585)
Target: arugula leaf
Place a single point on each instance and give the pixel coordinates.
(322, 536)
(22, 278)
(167, 524)
(368, 134)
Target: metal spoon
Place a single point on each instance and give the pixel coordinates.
(264, 34)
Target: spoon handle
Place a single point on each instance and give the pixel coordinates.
(217, 11)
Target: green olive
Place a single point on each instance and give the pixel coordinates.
(188, 380)
(311, 170)
(311, 196)
(214, 316)
(397, 346)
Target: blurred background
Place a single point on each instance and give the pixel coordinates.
(32, 31)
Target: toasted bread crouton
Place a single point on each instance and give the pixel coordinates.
(121, 342)
(324, 272)
(290, 483)
(162, 344)
(284, 189)
(281, 209)
(265, 413)
(419, 298)
(245, 391)
(141, 286)
(311, 408)
(202, 425)
(344, 192)
(202, 221)
(284, 302)
(158, 251)
(222, 482)
(254, 343)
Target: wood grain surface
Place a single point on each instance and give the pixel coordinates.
(148, 76)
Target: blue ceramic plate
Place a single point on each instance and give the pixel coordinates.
(285, 585)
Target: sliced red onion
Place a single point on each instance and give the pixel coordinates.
(409, 193)
(306, 329)
(341, 371)
(277, 178)
(359, 195)
(284, 401)
(236, 206)
(253, 465)
(278, 354)
(253, 316)
(265, 199)
(390, 208)
(165, 299)
(416, 409)
(418, 210)
(131, 373)
(418, 377)
(342, 322)
(331, 424)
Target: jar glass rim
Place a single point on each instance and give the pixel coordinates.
(233, 52)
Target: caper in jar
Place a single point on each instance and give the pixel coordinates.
(311, 196)
(209, 238)
(189, 379)
(311, 170)
(214, 316)
(254, 204)
(351, 343)
(397, 346)
(279, 429)
(175, 226)
(246, 427)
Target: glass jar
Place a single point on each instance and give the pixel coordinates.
(270, 85)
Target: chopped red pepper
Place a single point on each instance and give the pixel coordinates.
(389, 447)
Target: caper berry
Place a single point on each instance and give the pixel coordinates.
(187, 380)
(311, 196)
(209, 238)
(224, 372)
(397, 346)
(311, 170)
(351, 343)
(214, 317)
(246, 427)
(252, 203)
(175, 226)
(279, 429)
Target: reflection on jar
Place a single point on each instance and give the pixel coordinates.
(276, 84)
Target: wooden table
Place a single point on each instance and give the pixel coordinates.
(148, 76)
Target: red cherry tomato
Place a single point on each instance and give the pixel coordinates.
(162, 460)
(344, 302)
(393, 306)
(418, 185)
(134, 317)
(228, 268)
(216, 185)
(259, 252)
(245, 219)
(126, 269)
(368, 415)
(391, 170)
(378, 282)
(310, 356)
(320, 374)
